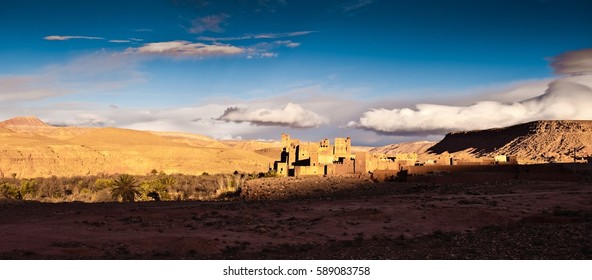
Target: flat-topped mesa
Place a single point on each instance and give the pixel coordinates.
(24, 121)
(545, 140)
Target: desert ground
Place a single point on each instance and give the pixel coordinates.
(317, 218)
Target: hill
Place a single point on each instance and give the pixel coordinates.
(538, 141)
(419, 147)
(31, 148)
(23, 121)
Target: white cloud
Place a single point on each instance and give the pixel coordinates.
(293, 115)
(212, 23)
(287, 43)
(257, 36)
(265, 49)
(186, 49)
(65, 38)
(564, 98)
(269, 54)
(281, 35)
(119, 41)
(292, 45)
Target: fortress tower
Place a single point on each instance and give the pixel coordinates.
(342, 147)
(285, 140)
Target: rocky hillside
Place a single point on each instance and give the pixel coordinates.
(419, 147)
(538, 141)
(31, 148)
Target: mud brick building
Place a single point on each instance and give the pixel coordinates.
(323, 158)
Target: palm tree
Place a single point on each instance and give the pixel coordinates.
(125, 187)
(168, 181)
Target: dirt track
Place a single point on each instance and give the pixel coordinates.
(316, 218)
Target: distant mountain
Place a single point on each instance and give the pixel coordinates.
(23, 121)
(538, 141)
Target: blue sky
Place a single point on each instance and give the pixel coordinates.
(315, 69)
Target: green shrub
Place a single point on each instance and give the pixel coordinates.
(29, 189)
(10, 191)
(103, 183)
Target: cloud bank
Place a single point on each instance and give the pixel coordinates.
(186, 49)
(565, 98)
(293, 115)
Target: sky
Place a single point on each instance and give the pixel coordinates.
(378, 71)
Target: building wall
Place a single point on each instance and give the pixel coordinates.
(407, 157)
(281, 168)
(308, 170)
(418, 170)
(387, 165)
(501, 158)
(361, 166)
(325, 159)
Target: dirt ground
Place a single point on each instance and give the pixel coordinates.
(317, 218)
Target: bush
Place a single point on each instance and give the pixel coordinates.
(229, 186)
(28, 189)
(102, 196)
(10, 191)
(271, 173)
(103, 183)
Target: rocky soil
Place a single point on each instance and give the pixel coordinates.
(317, 218)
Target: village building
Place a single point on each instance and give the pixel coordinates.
(323, 158)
